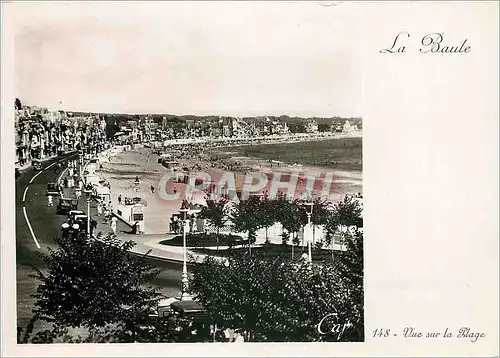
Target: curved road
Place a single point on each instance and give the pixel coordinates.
(37, 225)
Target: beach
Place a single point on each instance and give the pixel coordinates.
(122, 168)
(121, 172)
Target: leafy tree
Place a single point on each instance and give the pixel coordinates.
(215, 213)
(154, 331)
(94, 283)
(246, 220)
(323, 127)
(266, 213)
(320, 213)
(277, 299)
(17, 104)
(292, 216)
(347, 213)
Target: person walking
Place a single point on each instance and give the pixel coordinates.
(93, 225)
(107, 212)
(99, 208)
(113, 225)
(152, 189)
(120, 199)
(49, 200)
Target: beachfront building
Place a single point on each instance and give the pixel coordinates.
(36, 134)
(41, 133)
(240, 128)
(312, 126)
(336, 127)
(280, 127)
(348, 128)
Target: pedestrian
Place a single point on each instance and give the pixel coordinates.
(99, 208)
(171, 225)
(49, 200)
(120, 199)
(108, 212)
(238, 337)
(152, 189)
(93, 225)
(113, 225)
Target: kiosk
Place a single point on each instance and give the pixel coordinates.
(103, 193)
(133, 215)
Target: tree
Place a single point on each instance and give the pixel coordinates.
(266, 212)
(346, 213)
(277, 299)
(323, 127)
(94, 283)
(246, 220)
(292, 217)
(215, 213)
(154, 331)
(17, 104)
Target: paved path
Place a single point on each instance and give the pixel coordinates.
(145, 244)
(36, 226)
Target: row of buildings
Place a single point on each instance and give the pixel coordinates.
(41, 133)
(238, 127)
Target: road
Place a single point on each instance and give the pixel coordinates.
(37, 225)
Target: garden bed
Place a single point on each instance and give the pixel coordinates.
(206, 240)
(275, 250)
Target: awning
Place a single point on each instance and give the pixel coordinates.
(187, 306)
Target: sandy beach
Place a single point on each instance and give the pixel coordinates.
(122, 169)
(121, 172)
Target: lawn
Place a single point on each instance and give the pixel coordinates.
(341, 153)
(205, 240)
(274, 250)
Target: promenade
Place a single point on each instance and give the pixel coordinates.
(120, 166)
(146, 244)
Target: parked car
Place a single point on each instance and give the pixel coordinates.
(53, 189)
(37, 165)
(73, 213)
(80, 220)
(65, 205)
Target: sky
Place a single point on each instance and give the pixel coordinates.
(223, 58)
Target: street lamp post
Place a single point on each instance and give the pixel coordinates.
(309, 207)
(185, 282)
(80, 161)
(88, 192)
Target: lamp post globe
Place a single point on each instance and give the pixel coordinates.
(88, 191)
(309, 205)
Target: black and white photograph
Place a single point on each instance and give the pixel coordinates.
(180, 182)
(178, 175)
